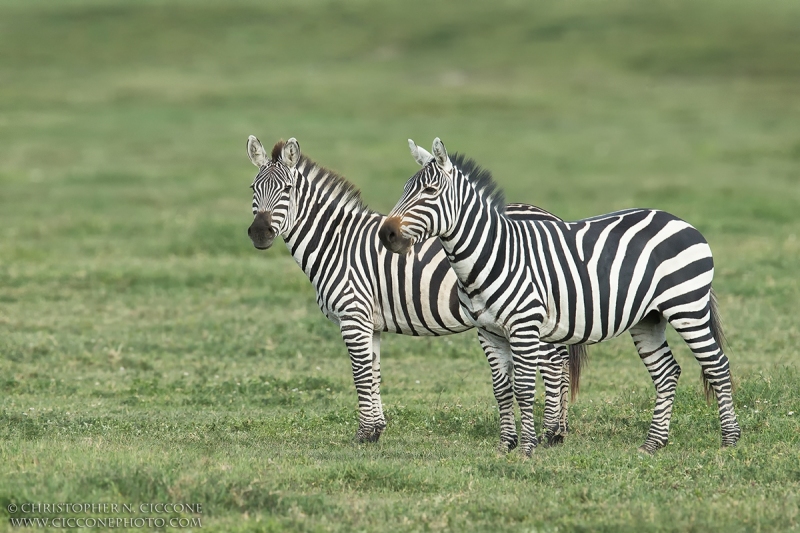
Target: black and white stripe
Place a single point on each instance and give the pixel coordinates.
(574, 283)
(333, 237)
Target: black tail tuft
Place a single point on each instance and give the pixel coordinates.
(719, 336)
(578, 357)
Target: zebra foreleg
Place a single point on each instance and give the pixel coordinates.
(377, 406)
(498, 354)
(650, 339)
(358, 339)
(525, 353)
(554, 368)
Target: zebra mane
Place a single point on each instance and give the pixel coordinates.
(481, 179)
(277, 149)
(326, 180)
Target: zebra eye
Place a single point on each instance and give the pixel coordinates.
(429, 190)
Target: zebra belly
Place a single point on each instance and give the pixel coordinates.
(561, 328)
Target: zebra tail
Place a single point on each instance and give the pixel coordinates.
(719, 336)
(578, 357)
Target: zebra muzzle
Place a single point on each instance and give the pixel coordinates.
(392, 238)
(261, 232)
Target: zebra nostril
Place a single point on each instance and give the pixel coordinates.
(387, 235)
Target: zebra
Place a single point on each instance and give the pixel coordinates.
(526, 282)
(333, 237)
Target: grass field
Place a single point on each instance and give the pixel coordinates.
(148, 354)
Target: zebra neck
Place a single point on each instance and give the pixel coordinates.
(476, 246)
(324, 216)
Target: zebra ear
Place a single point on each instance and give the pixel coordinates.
(256, 152)
(290, 154)
(420, 155)
(440, 154)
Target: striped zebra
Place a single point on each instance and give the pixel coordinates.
(526, 282)
(333, 237)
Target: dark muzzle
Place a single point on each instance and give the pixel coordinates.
(261, 232)
(391, 237)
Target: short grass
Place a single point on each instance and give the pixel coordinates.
(148, 354)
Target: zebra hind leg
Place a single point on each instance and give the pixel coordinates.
(498, 353)
(554, 368)
(566, 390)
(650, 339)
(704, 337)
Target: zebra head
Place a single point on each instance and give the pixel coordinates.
(274, 190)
(426, 208)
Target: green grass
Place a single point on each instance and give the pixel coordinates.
(148, 354)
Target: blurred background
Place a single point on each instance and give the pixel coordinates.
(127, 281)
(121, 119)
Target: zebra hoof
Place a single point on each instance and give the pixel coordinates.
(730, 441)
(552, 440)
(650, 448)
(507, 444)
(731, 437)
(653, 443)
(367, 435)
(553, 437)
(377, 431)
(528, 447)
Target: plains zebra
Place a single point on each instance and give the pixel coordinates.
(333, 237)
(568, 282)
